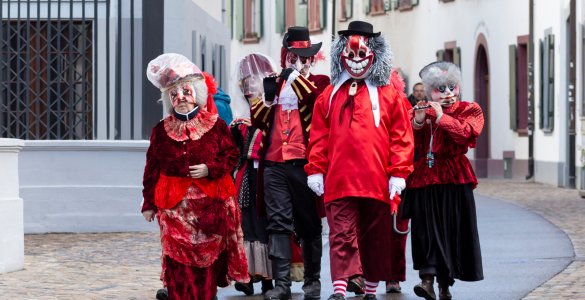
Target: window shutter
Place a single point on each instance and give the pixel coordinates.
(301, 13)
(387, 5)
(457, 56)
(414, 2)
(323, 13)
(229, 16)
(367, 6)
(551, 81)
(258, 20)
(542, 85)
(280, 19)
(512, 72)
(440, 54)
(239, 19)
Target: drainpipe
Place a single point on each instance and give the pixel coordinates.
(530, 90)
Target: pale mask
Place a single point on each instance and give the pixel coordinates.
(445, 94)
(182, 92)
(299, 63)
(357, 57)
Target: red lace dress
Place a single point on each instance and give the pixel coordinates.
(201, 237)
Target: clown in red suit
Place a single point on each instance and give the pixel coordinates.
(439, 199)
(361, 152)
(284, 117)
(188, 187)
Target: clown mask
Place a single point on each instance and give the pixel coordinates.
(357, 57)
(445, 94)
(183, 97)
(299, 63)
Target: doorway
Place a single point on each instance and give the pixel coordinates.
(482, 97)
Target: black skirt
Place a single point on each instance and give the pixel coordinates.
(444, 231)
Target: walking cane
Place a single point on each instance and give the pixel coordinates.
(394, 203)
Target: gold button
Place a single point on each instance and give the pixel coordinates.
(284, 132)
(285, 143)
(184, 143)
(185, 152)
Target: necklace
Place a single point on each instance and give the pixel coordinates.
(430, 155)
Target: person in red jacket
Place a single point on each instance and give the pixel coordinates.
(439, 199)
(188, 187)
(361, 151)
(284, 117)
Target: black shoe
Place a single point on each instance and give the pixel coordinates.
(246, 288)
(312, 290)
(356, 286)
(162, 294)
(370, 297)
(266, 285)
(336, 296)
(278, 293)
(444, 293)
(393, 287)
(425, 288)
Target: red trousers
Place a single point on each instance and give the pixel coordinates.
(362, 241)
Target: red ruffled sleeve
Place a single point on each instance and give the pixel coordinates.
(466, 127)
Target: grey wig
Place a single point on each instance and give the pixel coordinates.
(381, 66)
(439, 73)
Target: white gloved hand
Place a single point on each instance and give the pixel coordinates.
(315, 183)
(396, 185)
(293, 76)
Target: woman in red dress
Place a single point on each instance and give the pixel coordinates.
(188, 187)
(439, 198)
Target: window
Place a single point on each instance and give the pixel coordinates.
(376, 7)
(308, 13)
(450, 53)
(46, 80)
(405, 5)
(518, 64)
(547, 83)
(345, 10)
(249, 20)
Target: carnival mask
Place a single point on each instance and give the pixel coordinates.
(445, 94)
(357, 57)
(299, 63)
(182, 92)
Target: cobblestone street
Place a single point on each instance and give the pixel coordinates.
(127, 265)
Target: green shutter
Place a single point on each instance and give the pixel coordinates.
(367, 6)
(551, 81)
(387, 5)
(542, 86)
(239, 7)
(301, 13)
(440, 54)
(258, 15)
(512, 63)
(414, 2)
(323, 16)
(457, 56)
(229, 16)
(280, 18)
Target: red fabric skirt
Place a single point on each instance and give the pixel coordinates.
(191, 283)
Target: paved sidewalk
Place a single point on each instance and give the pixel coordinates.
(565, 209)
(127, 265)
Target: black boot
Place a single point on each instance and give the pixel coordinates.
(266, 285)
(425, 288)
(312, 251)
(280, 253)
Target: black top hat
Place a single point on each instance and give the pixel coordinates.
(297, 41)
(359, 28)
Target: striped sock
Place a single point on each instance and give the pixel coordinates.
(371, 287)
(340, 286)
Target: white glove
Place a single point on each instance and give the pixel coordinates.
(396, 184)
(315, 183)
(292, 76)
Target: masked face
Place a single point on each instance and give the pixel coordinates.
(445, 94)
(357, 57)
(252, 87)
(182, 97)
(299, 63)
